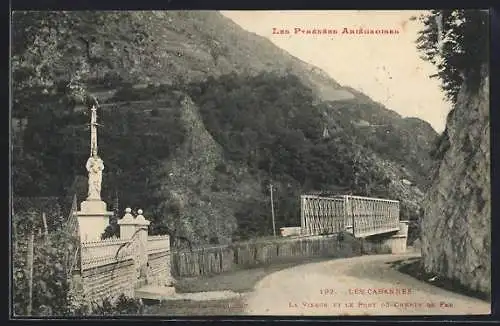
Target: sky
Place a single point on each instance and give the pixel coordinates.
(388, 68)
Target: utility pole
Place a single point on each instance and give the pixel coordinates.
(272, 208)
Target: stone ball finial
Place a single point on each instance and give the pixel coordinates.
(140, 218)
(127, 218)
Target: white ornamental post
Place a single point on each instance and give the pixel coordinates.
(127, 225)
(141, 227)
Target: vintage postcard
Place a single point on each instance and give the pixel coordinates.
(258, 163)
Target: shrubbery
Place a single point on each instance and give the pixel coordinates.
(123, 305)
(53, 258)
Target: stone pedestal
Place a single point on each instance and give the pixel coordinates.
(93, 218)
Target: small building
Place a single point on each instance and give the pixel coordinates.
(406, 182)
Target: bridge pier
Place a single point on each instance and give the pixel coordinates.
(398, 242)
(394, 242)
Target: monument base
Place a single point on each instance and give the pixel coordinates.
(93, 206)
(93, 218)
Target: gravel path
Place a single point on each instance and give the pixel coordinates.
(365, 285)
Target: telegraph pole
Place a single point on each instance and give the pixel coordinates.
(272, 208)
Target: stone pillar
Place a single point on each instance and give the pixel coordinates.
(127, 225)
(141, 228)
(399, 240)
(142, 224)
(93, 218)
(403, 228)
(135, 229)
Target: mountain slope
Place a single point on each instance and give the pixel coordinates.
(197, 44)
(200, 121)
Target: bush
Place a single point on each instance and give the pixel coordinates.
(51, 263)
(52, 257)
(122, 306)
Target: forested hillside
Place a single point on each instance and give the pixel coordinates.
(199, 117)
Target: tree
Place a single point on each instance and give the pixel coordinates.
(456, 42)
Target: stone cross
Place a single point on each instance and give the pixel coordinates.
(93, 131)
(94, 165)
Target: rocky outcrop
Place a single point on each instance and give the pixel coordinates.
(456, 232)
(188, 179)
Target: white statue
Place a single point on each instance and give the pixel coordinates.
(95, 166)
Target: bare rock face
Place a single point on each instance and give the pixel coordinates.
(456, 231)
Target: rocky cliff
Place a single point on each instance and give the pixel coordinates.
(456, 240)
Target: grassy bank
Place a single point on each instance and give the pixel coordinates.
(413, 268)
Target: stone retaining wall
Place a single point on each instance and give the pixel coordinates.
(219, 259)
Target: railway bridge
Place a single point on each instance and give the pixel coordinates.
(363, 217)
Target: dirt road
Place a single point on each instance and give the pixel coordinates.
(365, 285)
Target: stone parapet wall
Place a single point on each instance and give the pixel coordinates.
(119, 266)
(102, 282)
(159, 269)
(103, 252)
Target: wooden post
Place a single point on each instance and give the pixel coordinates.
(388, 215)
(346, 222)
(354, 227)
(45, 229)
(369, 217)
(272, 209)
(14, 238)
(29, 259)
(302, 215)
